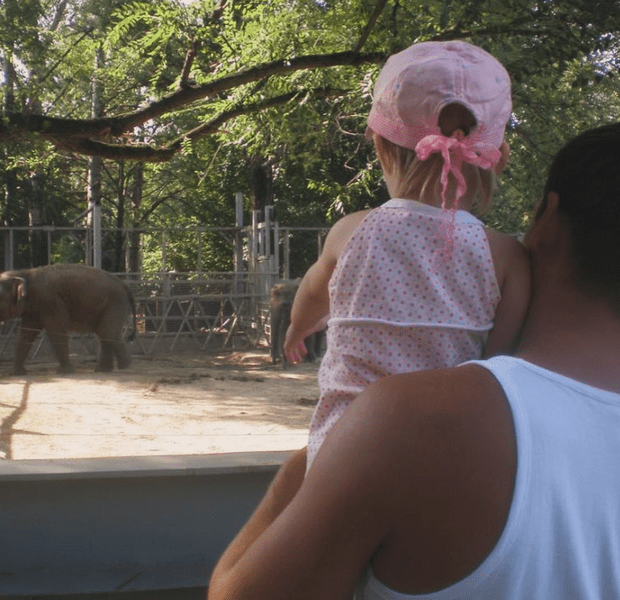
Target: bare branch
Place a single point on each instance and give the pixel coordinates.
(187, 65)
(147, 153)
(371, 23)
(141, 152)
(13, 125)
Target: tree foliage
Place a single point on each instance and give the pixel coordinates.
(216, 96)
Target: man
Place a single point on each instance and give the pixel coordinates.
(495, 479)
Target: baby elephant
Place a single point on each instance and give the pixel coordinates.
(62, 298)
(281, 302)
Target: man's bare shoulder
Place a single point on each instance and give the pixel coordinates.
(460, 391)
(454, 416)
(439, 444)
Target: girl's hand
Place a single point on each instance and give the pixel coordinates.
(294, 349)
(294, 343)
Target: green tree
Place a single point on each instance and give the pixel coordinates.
(210, 97)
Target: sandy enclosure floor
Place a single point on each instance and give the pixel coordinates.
(186, 404)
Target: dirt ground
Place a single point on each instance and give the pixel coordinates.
(185, 404)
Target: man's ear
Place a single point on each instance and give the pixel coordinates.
(505, 150)
(548, 206)
(544, 226)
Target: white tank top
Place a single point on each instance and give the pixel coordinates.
(562, 536)
(396, 305)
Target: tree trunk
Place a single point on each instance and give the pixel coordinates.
(261, 184)
(132, 257)
(119, 259)
(95, 167)
(37, 217)
(9, 180)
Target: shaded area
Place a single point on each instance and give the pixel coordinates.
(87, 528)
(196, 593)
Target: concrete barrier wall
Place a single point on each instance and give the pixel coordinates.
(123, 524)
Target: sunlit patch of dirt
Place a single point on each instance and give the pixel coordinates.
(181, 404)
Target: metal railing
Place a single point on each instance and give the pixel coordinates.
(197, 309)
(179, 312)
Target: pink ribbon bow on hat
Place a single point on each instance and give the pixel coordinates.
(455, 150)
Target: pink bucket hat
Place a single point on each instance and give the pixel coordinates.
(415, 84)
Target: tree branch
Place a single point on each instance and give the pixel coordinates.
(371, 23)
(147, 153)
(84, 136)
(280, 68)
(14, 125)
(244, 109)
(187, 65)
(140, 152)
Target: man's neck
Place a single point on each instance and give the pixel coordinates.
(573, 335)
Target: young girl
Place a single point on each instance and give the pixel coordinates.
(418, 283)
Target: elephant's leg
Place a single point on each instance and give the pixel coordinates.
(123, 356)
(106, 356)
(276, 341)
(25, 336)
(60, 345)
(319, 336)
(285, 321)
(310, 342)
(110, 332)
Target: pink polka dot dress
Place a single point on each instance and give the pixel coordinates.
(397, 305)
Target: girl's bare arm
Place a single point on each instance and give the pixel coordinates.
(311, 305)
(513, 274)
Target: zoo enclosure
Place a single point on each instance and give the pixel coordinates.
(196, 309)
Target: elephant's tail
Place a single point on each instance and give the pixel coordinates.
(132, 301)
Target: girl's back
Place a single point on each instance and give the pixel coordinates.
(397, 304)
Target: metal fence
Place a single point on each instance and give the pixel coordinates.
(190, 311)
(250, 247)
(178, 312)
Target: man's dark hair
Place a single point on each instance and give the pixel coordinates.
(585, 174)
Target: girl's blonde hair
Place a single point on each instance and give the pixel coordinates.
(421, 179)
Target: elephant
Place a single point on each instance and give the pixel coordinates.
(281, 301)
(68, 297)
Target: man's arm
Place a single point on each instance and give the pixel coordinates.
(415, 478)
(314, 546)
(281, 491)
